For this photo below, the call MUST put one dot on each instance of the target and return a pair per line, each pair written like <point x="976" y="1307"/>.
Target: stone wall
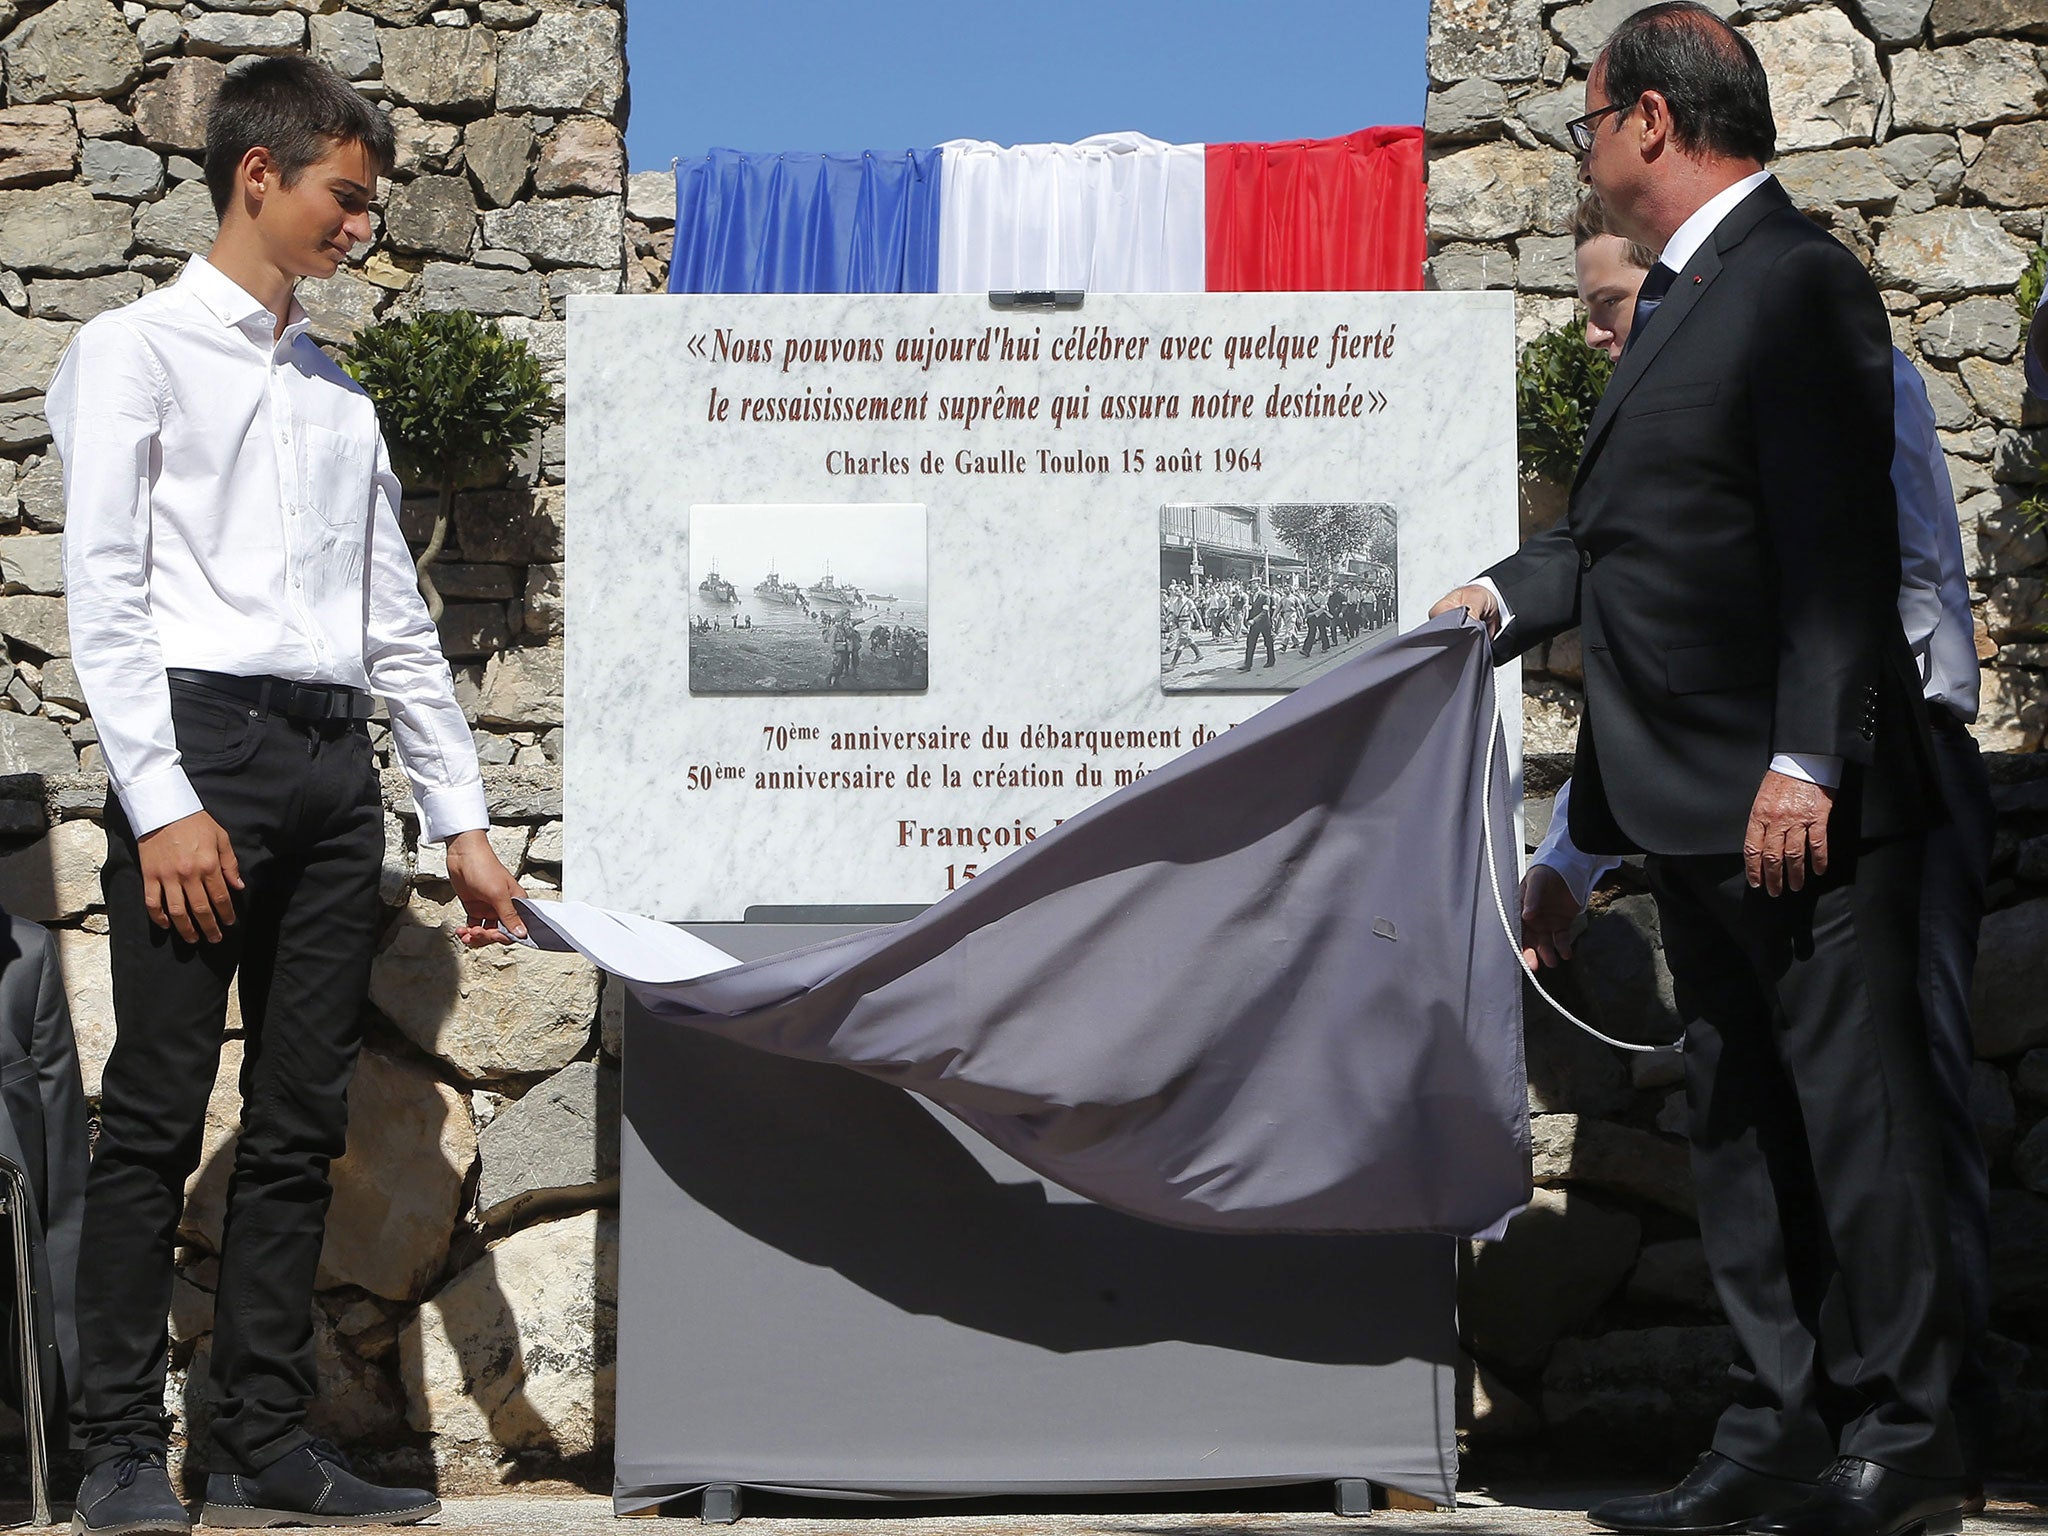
<point x="1917" y="131"/>
<point x="465" y="1295"/>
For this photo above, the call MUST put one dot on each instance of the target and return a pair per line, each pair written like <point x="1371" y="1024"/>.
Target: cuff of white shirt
<point x="158" y="800"/>
<point x="1813" y="767"/>
<point x="1507" y="614"/>
<point x="451" y="809"/>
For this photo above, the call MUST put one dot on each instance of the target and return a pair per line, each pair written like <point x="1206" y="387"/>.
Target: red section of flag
<point x="1315" y="214"/>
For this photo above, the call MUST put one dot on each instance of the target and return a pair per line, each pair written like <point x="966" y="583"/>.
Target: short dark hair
<point x="297" y="109"/>
<point x="1589" y="222"/>
<point x="1720" y="99"/>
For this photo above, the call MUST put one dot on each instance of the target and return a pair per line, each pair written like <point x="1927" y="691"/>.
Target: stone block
<point x="346" y="42"/>
<point x="72" y="48"/>
<point x="651" y="198"/>
<point x="444" y="285"/>
<point x="1998" y="389"/>
<point x="1470" y="109"/>
<point x="22" y="424"/>
<point x="85" y="961"/>
<point x="58" y="878"/>
<point x="1546" y="113"/>
<point x="80" y="298"/>
<point x="1576" y="1150"/>
<point x="556" y="1147"/>
<point x="340" y="306"/>
<point x="1825" y="179"/>
<point x="394" y="13"/>
<point x="354" y="1400"/>
<point x="1619" y="973"/>
<point x="2012" y="169"/>
<point x="41" y="491"/>
<point x="1950" y="252"/>
<point x="542" y="612"/>
<point x="1492" y="39"/>
<point x="520" y="525"/>
<point x="1893" y="22"/>
<point x="1647" y="1392"/>
<point x="1585" y="28"/>
<point x="1468" y="268"/>
<point x="1826" y="84"/>
<point x="497" y="151"/>
<point x="583" y="154"/>
<point x="523" y="689"/>
<point x="422" y="145"/>
<point x="431" y="216"/>
<point x="561" y="231"/>
<point x="158" y="34"/>
<point x="181" y="223"/>
<point x="1955" y="20"/>
<point x="488" y="1013"/>
<point x="1674" y="1274"/>
<point x="37" y="144"/>
<point x="1560" y="1260"/>
<point x="1495" y="191"/>
<point x="477" y="583"/>
<point x="444" y="68"/>
<point x="398" y="1191"/>
<point x="128" y="171"/>
<point x="29" y="350"/>
<point x="1929" y="159"/>
<point x="32" y="562"/>
<point x="1981" y="327"/>
<point x="2008" y="1004"/>
<point x="1988" y="81"/>
<point x="171" y="113"/>
<point x="225" y="34"/>
<point x="520" y="1350"/>
<point x="1544" y="264"/>
<point x="64" y="231"/>
<point x="39" y="623"/>
<point x="567" y="61"/>
<point x="470" y="630"/>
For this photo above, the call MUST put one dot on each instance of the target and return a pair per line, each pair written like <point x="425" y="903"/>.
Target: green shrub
<point x="2028" y="295"/>
<point x="456" y="398"/>
<point x="1558" y="384"/>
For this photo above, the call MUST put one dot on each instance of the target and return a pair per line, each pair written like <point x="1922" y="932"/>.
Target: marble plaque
<point x="1001" y="491"/>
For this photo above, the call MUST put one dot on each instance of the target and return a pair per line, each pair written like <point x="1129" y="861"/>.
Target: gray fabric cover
<point x="1263" y="989"/>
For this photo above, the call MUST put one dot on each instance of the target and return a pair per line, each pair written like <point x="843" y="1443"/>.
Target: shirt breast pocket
<point x="337" y="485"/>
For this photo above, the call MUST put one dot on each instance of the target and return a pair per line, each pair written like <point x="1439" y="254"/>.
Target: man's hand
<point x="1788" y="828"/>
<point x="188" y="869"/>
<point x="1548" y="911"/>
<point x="1475" y="600"/>
<point x="486" y="889"/>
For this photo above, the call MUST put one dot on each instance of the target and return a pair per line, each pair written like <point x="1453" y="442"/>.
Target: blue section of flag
<point x="807" y="223"/>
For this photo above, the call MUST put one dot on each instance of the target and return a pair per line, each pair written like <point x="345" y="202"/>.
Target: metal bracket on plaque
<point x="1036" y="298"/>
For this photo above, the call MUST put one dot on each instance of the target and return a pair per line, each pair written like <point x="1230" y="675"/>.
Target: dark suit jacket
<point x="1731" y="554"/>
<point x="42" y="1131"/>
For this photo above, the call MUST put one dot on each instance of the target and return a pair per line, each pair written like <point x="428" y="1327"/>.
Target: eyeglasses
<point x="1582" y="128"/>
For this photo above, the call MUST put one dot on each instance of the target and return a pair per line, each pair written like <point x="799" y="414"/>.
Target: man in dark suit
<point x="1754" y="724"/>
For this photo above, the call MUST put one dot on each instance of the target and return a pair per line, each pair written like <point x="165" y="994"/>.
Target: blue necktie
<point x="1655" y="286"/>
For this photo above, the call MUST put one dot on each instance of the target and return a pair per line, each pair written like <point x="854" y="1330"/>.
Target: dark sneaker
<point x="129" y="1494"/>
<point x="311" y="1486"/>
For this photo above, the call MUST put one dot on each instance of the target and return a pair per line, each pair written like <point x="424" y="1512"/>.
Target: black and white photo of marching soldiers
<point x="808" y="599"/>
<point x="1261" y="599"/>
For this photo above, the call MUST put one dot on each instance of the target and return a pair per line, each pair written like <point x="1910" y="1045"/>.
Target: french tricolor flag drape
<point x="1118" y="213"/>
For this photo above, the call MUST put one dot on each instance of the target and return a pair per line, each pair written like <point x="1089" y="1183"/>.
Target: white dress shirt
<point x="1934" y="599"/>
<point x="229" y="506"/>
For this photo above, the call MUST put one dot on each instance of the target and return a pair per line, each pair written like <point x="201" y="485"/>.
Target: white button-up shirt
<point x="229" y="506"/>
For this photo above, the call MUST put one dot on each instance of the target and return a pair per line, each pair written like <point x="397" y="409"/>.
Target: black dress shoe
<point x="310" y="1486"/>
<point x="1717" y="1496"/>
<point x="1860" y="1498"/>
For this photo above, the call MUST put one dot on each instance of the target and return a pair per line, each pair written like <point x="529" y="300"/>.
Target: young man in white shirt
<point x="238" y="589"/>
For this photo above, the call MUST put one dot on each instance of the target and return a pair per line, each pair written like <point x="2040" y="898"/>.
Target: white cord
<point x="1515" y="940"/>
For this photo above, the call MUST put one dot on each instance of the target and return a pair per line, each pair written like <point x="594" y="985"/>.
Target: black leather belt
<point x="306" y="703"/>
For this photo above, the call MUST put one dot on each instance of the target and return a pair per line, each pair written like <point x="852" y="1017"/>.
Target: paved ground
<point x="1546" y="1511"/>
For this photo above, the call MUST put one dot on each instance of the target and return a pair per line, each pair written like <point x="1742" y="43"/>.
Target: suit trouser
<point x="302" y="807"/>
<point x="1817" y="1158"/>
<point x="1951" y="910"/>
<point x="1260" y="628"/>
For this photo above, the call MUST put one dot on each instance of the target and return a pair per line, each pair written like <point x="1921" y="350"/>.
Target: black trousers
<point x="1817" y="1156"/>
<point x="301" y="806"/>
<point x="1260" y="628"/>
<point x="1951" y="909"/>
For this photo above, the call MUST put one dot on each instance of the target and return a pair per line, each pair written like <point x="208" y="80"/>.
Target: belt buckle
<point x="308" y="704"/>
